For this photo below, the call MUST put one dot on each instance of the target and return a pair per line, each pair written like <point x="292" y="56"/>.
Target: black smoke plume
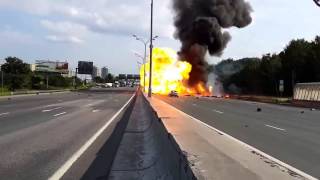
<point x="200" y="27"/>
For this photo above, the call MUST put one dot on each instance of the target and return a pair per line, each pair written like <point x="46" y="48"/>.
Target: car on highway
<point x="173" y="93"/>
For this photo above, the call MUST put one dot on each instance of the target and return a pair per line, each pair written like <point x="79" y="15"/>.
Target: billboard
<point x="52" y="66"/>
<point x="122" y="76"/>
<point x="85" y="67"/>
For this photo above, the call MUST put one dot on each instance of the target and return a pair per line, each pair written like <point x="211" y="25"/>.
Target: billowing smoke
<point x="200" y="28"/>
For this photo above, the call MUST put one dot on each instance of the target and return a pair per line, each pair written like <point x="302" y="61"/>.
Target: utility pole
<point x="151" y="47"/>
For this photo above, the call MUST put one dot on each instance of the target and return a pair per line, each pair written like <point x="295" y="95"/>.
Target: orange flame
<point x="170" y="74"/>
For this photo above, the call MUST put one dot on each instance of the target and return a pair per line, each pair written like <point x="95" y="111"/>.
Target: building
<point x="33" y="67"/>
<point x="94" y="72"/>
<point x="104" y="72"/>
<point x="71" y="73"/>
<point x="98" y="72"/>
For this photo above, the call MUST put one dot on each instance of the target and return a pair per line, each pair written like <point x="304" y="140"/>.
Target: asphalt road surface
<point x="289" y="134"/>
<point x="38" y="134"/>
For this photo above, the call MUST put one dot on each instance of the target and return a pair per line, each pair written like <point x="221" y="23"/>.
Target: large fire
<point x="169" y="73"/>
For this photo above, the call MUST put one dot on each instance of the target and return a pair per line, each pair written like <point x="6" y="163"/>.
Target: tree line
<point x="18" y="75"/>
<point x="298" y="62"/>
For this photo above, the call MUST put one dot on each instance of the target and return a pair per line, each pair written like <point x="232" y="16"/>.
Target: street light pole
<point x="145" y="43"/>
<point x="151" y="47"/>
<point x="1" y="80"/>
<point x="75" y="79"/>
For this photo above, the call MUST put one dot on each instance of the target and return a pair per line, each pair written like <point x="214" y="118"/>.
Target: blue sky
<point x="101" y="31"/>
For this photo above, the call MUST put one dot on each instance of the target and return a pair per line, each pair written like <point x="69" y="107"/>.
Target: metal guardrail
<point x="37" y="92"/>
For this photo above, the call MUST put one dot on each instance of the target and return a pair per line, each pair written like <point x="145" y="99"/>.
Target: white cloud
<point x="103" y="16"/>
<point x="65" y="27"/>
<point x="64" y="39"/>
<point x="65" y="32"/>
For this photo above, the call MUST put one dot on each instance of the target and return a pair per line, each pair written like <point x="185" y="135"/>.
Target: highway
<point x="39" y="133"/>
<point x="289" y="134"/>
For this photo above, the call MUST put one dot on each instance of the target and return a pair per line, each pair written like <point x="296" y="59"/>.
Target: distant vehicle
<point x="227" y="96"/>
<point x="173" y="94"/>
<point x="116" y="84"/>
<point x="108" y="85"/>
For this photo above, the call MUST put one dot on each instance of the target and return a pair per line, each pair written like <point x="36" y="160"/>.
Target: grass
<point x="4" y="92"/>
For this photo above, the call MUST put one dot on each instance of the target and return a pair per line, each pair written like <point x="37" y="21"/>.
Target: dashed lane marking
<point x="49" y="110"/>
<point x="274" y="127"/>
<point x="56" y="115"/>
<point x="3" y="114"/>
<point x="217" y="111"/>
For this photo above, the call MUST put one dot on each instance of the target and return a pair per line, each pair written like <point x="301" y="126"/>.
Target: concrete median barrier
<point x="147" y="151"/>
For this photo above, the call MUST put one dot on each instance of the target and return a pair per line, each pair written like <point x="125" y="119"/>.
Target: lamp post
<point x="75" y="79"/>
<point x="1" y="80"/>
<point x="151" y="47"/>
<point x="145" y="43"/>
<point x="139" y="64"/>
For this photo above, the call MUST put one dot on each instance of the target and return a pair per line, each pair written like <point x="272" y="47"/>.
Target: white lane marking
<point x="50" y="105"/>
<point x="56" y="115"/>
<point x="301" y="173"/>
<point x="88" y="105"/>
<point x="49" y="110"/>
<point x="6" y="113"/>
<point x="194" y="104"/>
<point x="220" y="112"/>
<point x="274" y="127"/>
<point x="66" y="166"/>
<point x="96" y="110"/>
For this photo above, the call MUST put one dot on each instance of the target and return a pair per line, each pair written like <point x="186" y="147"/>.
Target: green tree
<point x="36" y="82"/>
<point x="110" y="78"/>
<point x="296" y="63"/>
<point x="270" y="69"/>
<point x="315" y="59"/>
<point x="98" y="80"/>
<point x="17" y="72"/>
